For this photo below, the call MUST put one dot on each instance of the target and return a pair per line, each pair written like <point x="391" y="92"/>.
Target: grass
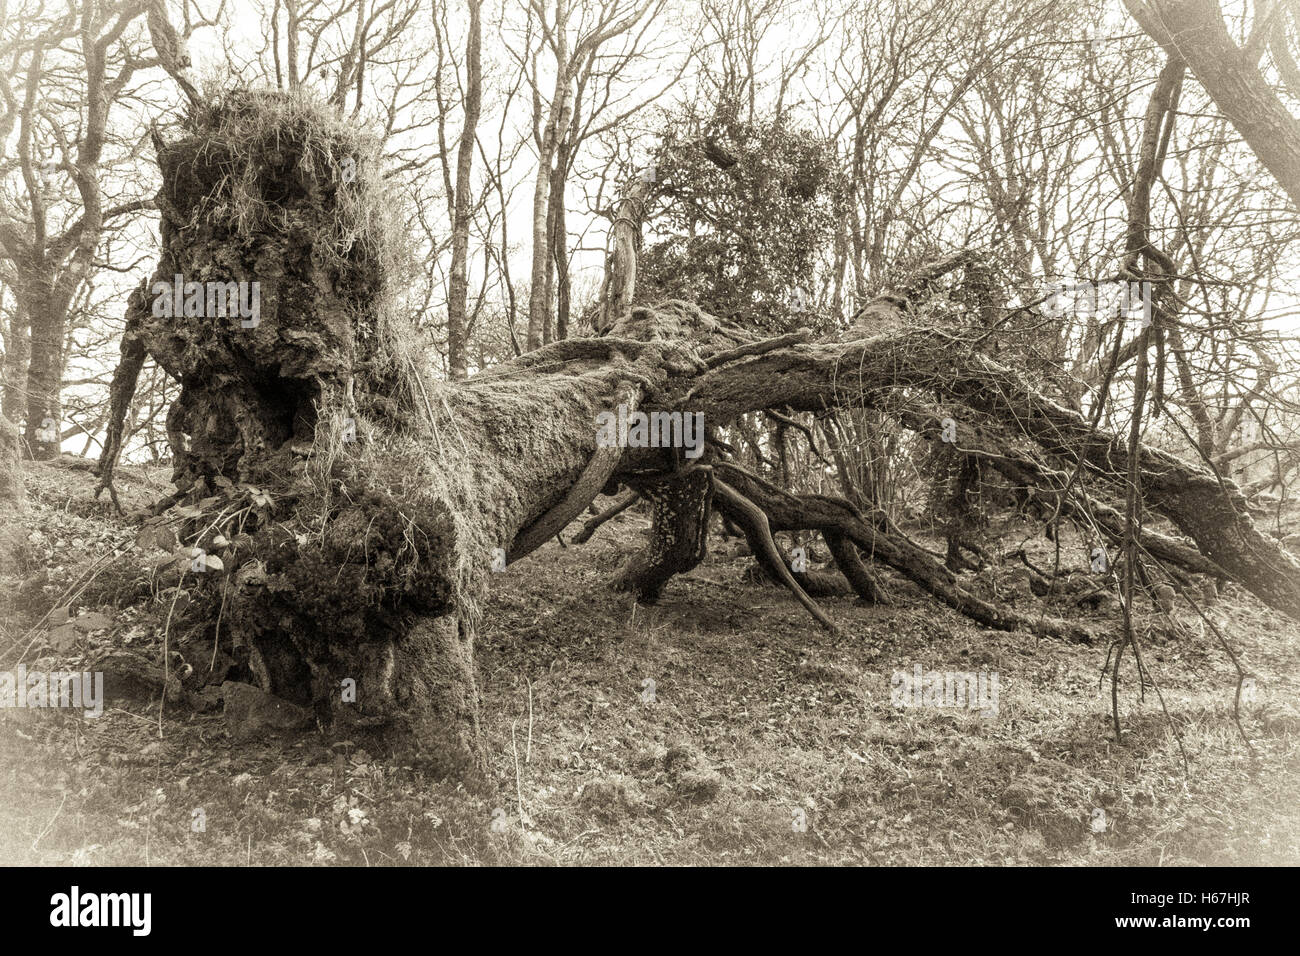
<point x="759" y="721"/>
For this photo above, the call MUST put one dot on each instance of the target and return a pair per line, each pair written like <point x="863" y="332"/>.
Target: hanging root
<point x="120" y="393"/>
<point x="583" y="493"/>
<point x="859" y="576"/>
<point x="788" y="512"/>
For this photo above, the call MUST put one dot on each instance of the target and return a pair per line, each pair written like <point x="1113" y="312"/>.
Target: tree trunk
<point x="459" y="283"/>
<point x="11" y="482"/>
<point x="558" y="239"/>
<point x="1211" y="512"/>
<point x="12" y="533"/>
<point x="678" y="534"/>
<point x="1193" y="30"/>
<point x="555" y="129"/>
<point x="44" y="372"/>
<point x="620" y="271"/>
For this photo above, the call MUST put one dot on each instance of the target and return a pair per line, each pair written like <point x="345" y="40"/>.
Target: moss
<point x="374" y="562"/>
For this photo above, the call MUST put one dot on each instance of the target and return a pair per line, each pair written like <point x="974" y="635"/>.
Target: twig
<point x="528" y="752"/>
<point x="519" y="792"/>
<point x="40" y="835"/>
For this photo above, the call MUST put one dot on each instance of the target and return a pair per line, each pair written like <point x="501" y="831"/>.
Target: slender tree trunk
<point x="291" y="43"/>
<point x="557" y="125"/>
<point x="459" y="285"/>
<point x="559" y="239"/>
<point x="620" y="271"/>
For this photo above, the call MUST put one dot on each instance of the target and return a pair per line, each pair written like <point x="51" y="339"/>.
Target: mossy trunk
<point x="355" y="504"/>
<point x="11" y="481"/>
<point x="11" y="497"/>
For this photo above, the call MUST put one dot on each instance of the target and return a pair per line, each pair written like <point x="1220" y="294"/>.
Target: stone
<point x="127" y="675"/>
<point x="251" y="713"/>
<point x="1022" y="582"/>
<point x="1165" y="597"/>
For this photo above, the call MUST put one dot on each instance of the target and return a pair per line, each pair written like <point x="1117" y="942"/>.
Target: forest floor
<point x="721" y="726"/>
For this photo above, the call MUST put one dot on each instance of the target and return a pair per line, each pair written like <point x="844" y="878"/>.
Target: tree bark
<point x="681" y="505"/>
<point x="44" y="371"/>
<point x="1209" y="510"/>
<point x="554" y="129"/>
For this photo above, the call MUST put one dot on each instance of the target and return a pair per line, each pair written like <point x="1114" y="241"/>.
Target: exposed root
<point x="758" y="533"/>
<point x="788" y="512"/>
<point x="678" y="535"/>
<point x="582" y="493"/>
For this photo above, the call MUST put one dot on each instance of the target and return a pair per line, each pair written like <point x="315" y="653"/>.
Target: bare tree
<point x="70" y="75"/>
<point x="459" y="285"/>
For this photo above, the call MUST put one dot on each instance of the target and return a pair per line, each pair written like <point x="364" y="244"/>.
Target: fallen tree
<point x="356" y="505"/>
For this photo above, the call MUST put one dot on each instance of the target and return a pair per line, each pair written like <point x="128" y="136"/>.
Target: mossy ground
<point x="756" y="714"/>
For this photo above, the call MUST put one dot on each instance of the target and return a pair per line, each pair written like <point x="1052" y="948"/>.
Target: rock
<point x="127" y="675"/>
<point x="92" y="621"/>
<point x="62" y="638"/>
<point x="252" y="713"/>
<point x="1165" y="594"/>
<point x="1292" y="543"/>
<point x="1021" y="582"/>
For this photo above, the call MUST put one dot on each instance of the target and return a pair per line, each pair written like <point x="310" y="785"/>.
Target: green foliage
<point x="744" y="211"/>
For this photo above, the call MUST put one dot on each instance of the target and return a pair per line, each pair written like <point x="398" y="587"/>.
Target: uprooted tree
<point x="357" y="503"/>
